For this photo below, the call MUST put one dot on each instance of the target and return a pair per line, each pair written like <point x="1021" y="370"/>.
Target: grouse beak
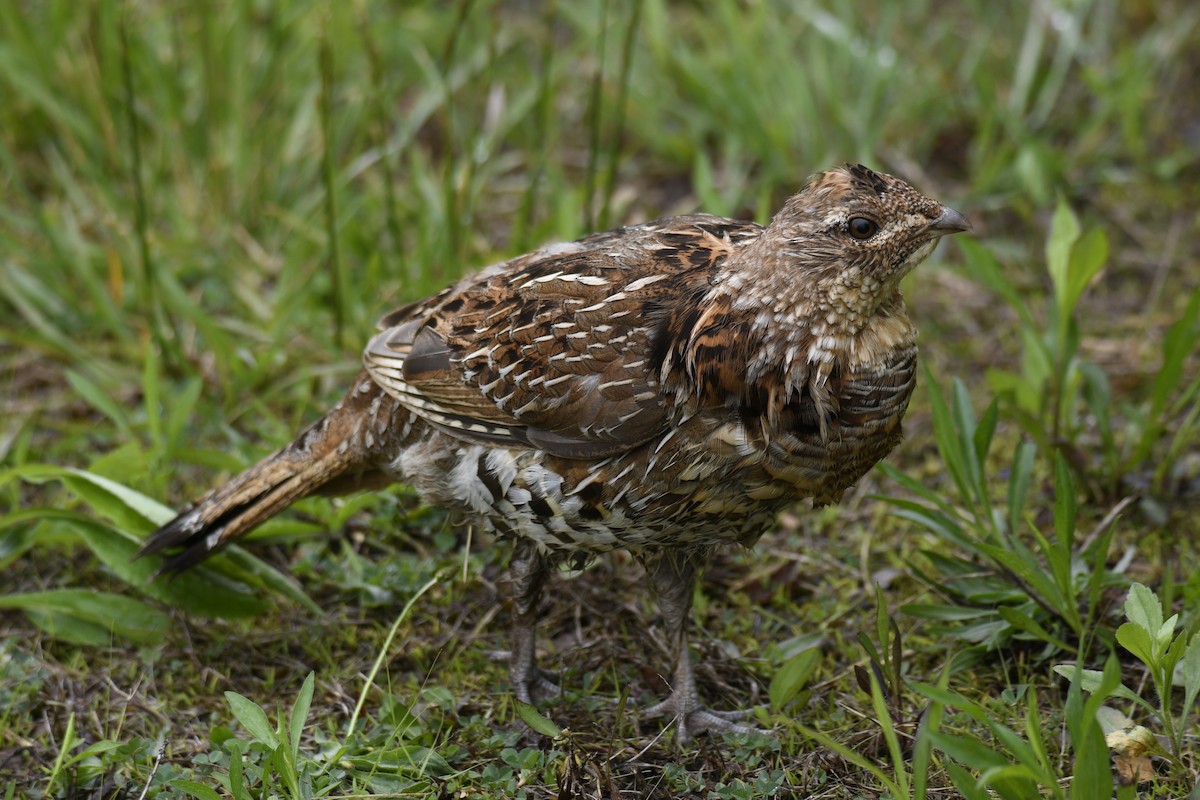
<point x="950" y="221"/>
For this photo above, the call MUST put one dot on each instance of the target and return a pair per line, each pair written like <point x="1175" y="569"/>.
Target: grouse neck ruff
<point x="664" y="388"/>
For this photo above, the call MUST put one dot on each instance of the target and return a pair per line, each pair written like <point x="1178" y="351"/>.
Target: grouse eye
<point x="862" y="228"/>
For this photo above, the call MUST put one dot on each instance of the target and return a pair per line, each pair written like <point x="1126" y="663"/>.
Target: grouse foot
<point x="532" y="685"/>
<point x="673" y="576"/>
<point x="692" y="717"/>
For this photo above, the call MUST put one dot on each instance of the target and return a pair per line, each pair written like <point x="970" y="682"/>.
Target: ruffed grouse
<point x="664" y="388"/>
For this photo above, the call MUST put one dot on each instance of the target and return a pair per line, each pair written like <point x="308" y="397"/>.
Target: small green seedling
<point x="1172" y="658"/>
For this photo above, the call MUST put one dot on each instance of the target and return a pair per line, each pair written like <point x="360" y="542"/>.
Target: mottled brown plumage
<point x="664" y="388"/>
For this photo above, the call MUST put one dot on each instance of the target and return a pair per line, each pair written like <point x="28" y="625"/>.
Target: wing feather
<point x="555" y="349"/>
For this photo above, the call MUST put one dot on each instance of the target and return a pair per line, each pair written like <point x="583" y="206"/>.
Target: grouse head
<point x="839" y="248"/>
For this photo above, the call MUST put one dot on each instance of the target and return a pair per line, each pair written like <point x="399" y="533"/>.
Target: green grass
<point x="206" y="206"/>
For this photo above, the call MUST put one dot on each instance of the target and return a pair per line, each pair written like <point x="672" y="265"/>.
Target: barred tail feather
<point x="235" y="508"/>
<point x="331" y="457"/>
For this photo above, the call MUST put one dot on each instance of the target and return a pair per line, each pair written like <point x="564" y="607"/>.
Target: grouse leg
<point x="527" y="575"/>
<point x="673" y="575"/>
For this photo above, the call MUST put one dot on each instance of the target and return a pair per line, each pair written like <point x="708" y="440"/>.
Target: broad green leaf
<point x="969" y="751"/>
<point x="1170" y="654"/>
<point x="798" y="644"/>
<point x="1093" y="773"/>
<point x="792" y="677"/>
<point x="1090" y="680"/>
<point x="1135" y="639"/>
<point x="85" y="614"/>
<point x="1064" y="232"/>
<point x="68" y="628"/>
<point x="883" y="623"/>
<point x="128" y="509"/>
<point x="865" y="642"/>
<point x="196" y="789"/>
<point x="1162" y="638"/>
<point x="199" y="591"/>
<point x="1142" y="608"/>
<point x="531" y="717"/>
<point x="237" y="775"/>
<point x="96" y="748"/>
<point x="253" y="719"/>
<point x="300" y="714"/>
<point x="1087" y="257"/>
